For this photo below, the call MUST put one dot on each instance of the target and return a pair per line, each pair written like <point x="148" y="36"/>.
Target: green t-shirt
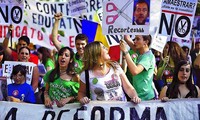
<point x="61" y="88"/>
<point x="143" y="81"/>
<point x="49" y="63"/>
<point x="134" y="56"/>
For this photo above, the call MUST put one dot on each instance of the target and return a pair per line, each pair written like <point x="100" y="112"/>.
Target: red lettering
<point x="40" y="36"/>
<point x="71" y="42"/>
<point x="17" y="31"/>
<point x="24" y="31"/>
<point x="32" y="31"/>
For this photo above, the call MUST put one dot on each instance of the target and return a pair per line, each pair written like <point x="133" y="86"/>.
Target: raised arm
<point x="129" y="41"/>
<point x="55" y="41"/>
<point x="7" y="50"/>
<point x="134" y="69"/>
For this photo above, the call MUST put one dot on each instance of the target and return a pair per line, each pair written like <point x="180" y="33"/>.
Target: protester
<point x="172" y="54"/>
<point x="181" y="86"/>
<point x="20" y="91"/>
<point x="62" y="83"/>
<point x="141" y="13"/>
<point x="45" y="58"/>
<point x="80" y="41"/>
<point x="187" y="52"/>
<point x="24" y="56"/>
<point x="142" y="69"/>
<point x="23" y="41"/>
<point x="106" y="79"/>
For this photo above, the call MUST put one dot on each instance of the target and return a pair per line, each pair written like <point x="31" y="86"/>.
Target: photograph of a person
<point x="141" y="12"/>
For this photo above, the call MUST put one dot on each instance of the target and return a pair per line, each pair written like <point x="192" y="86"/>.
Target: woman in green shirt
<point x="62" y="83"/>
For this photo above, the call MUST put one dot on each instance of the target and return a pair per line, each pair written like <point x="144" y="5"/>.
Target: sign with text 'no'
<point x="177" y="18"/>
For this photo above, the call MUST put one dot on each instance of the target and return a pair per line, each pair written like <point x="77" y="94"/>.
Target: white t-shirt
<point x="107" y="87"/>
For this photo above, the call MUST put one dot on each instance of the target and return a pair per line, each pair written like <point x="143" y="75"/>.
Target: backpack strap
<point x="87" y="83"/>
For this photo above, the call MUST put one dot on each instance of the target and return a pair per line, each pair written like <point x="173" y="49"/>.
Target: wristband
<point x="125" y="52"/>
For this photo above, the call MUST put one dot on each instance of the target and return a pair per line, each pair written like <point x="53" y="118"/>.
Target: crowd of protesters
<point x="89" y="74"/>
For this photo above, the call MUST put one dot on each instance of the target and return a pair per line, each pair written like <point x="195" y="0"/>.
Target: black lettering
<point x="46" y="8"/>
<point x="16" y="14"/>
<point x="182" y="31"/>
<point x="37" y="5"/>
<point x="160" y="113"/>
<point x="60" y="114"/>
<point x="101" y="110"/>
<point x="145" y="114"/>
<point x="52" y="113"/>
<point x="168" y="27"/>
<point x="13" y="113"/>
<point x="77" y="25"/>
<point x="83" y="108"/>
<point x="5" y="16"/>
<point x="27" y="6"/>
<point x="120" y="110"/>
<point x="114" y="37"/>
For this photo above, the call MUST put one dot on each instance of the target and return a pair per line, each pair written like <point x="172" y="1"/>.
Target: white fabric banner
<point x="180" y="109"/>
<point x="37" y="22"/>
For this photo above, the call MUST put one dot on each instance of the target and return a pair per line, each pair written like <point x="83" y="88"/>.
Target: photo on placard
<point x="141" y="12"/>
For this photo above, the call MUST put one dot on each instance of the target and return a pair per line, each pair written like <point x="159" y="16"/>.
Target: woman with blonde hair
<point x="103" y="79"/>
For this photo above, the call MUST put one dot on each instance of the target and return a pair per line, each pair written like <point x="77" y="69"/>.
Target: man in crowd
<point x="23" y="41"/>
<point x="141" y="13"/>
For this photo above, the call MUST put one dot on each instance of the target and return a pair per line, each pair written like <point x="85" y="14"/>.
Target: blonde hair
<point x="92" y="56"/>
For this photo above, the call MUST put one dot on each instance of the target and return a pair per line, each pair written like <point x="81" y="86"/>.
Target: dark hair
<point x="23" y="48"/>
<point x="142" y="1"/>
<point x="45" y="54"/>
<point x="173" y="87"/>
<point x="81" y="37"/>
<point x="55" y="73"/>
<point x="25" y="39"/>
<point x="147" y="38"/>
<point x="17" y="69"/>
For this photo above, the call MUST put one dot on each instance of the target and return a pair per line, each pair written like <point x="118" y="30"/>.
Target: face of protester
<point x="104" y="53"/>
<point x="139" y="42"/>
<point x="40" y="55"/>
<point x="165" y="50"/>
<point x="19" y="78"/>
<point x="80" y="45"/>
<point x="141" y="13"/>
<point x="24" y="55"/>
<point x="197" y="46"/>
<point x="64" y="59"/>
<point x="184" y="73"/>
<point x="20" y="44"/>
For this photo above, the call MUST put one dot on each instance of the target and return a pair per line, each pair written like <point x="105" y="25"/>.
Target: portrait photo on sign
<point x="141" y="12"/>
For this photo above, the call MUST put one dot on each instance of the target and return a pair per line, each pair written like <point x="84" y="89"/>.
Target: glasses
<point x="23" y="53"/>
<point x="143" y="10"/>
